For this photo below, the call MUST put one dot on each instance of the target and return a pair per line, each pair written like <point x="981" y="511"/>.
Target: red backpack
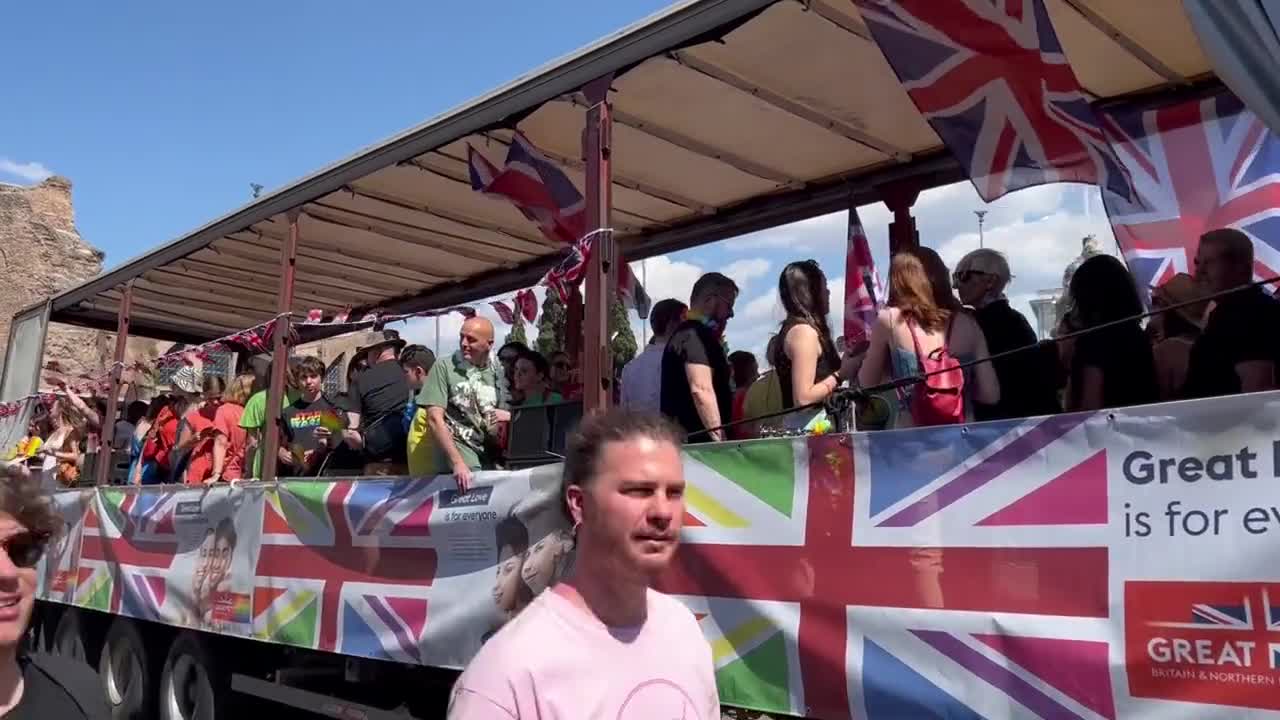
<point x="939" y="398"/>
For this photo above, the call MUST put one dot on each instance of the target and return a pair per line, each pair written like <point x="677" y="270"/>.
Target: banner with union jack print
<point x="1196" y="165"/>
<point x="1090" y="566"/>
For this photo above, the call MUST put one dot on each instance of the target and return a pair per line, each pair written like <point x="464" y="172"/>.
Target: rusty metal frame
<point x="280" y="350"/>
<point x="107" y="432"/>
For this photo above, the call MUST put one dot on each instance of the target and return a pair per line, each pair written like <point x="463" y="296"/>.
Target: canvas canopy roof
<point x="729" y="116"/>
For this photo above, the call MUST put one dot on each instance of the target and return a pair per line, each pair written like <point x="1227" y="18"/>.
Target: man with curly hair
<point x="33" y="685"/>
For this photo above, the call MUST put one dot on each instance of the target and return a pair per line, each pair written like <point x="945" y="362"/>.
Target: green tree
<point x="551" y="324"/>
<point x="622" y="341"/>
<point x="517" y="333"/>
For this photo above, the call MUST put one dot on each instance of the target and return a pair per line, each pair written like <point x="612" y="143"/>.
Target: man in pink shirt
<point x="602" y="643"/>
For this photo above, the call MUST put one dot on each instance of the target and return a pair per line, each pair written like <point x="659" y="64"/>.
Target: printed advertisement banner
<point x="1097" y="565"/>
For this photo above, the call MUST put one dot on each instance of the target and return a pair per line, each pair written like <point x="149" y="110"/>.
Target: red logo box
<point x="1215" y="643"/>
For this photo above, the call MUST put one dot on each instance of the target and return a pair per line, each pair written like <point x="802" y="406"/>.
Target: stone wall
<point x="41" y="254"/>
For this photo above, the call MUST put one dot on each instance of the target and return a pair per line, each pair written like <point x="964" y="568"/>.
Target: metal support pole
<point x="107" y="433"/>
<point x="597" y="384"/>
<point x="280" y="350"/>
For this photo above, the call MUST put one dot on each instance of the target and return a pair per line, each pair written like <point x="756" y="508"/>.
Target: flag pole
<point x="644" y="280"/>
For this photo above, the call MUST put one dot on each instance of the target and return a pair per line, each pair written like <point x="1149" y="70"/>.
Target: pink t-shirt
<point x="555" y="660"/>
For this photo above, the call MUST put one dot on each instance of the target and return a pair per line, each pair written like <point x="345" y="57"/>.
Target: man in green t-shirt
<point x="465" y="398"/>
<point x="254" y="419"/>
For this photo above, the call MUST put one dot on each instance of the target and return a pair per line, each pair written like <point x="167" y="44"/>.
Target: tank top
<point x="828" y="361"/>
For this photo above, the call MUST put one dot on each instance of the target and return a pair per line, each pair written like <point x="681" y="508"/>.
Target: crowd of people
<point x="1219" y="335"/>
<point x="406" y="411"/>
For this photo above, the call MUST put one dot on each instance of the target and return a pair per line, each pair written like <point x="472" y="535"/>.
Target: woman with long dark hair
<point x="808" y="364"/>
<point x="915" y="325"/>
<point x="1112" y="366"/>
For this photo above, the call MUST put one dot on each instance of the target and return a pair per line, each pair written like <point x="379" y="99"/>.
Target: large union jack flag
<point x="347" y="567"/>
<point x="838" y="560"/>
<point x="545" y="195"/>
<point x="995" y="85"/>
<point x="1196" y="166"/>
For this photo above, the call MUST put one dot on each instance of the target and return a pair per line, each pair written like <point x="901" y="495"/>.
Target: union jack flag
<point x="127" y="551"/>
<point x="994" y="83"/>
<point x="347" y="567"/>
<point x="527" y="304"/>
<point x="504" y="312"/>
<point x="545" y="195"/>
<point x="836" y="558"/>
<point x="569" y="271"/>
<point x="862" y="294"/>
<point x="1197" y="165"/>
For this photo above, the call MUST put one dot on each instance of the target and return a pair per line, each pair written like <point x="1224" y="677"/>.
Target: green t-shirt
<point x="254" y="418"/>
<point x="466" y="393"/>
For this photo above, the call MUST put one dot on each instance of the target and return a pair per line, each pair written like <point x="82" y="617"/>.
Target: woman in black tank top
<point x="805" y="338"/>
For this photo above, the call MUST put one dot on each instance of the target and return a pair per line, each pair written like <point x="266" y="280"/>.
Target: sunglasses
<point x="964" y="275"/>
<point x="24" y="549"/>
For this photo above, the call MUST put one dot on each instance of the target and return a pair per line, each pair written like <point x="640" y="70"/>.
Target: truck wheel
<point x="192" y="685"/>
<point x="128" y="677"/>
<point x="69" y="638"/>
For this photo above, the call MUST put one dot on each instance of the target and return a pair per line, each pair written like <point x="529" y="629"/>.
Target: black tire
<point x="192" y="685"/>
<point x="127" y="671"/>
<point x="71" y="639"/>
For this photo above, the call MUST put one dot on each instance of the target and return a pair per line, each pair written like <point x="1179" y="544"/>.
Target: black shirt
<point x="380" y="394"/>
<point x="1244" y="326"/>
<point x="828" y="362"/>
<point x="54" y="687"/>
<point x="1123" y="354"/>
<point x="1027" y="378"/>
<point x="299" y="422"/>
<point x="693" y="344"/>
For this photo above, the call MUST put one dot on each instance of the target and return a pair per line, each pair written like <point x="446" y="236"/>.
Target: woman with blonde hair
<point x="230" y="440"/>
<point x="912" y="328"/>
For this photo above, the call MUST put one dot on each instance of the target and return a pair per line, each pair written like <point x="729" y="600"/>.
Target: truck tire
<point x="70" y="639"/>
<point x="192" y="684"/>
<point x="127" y="672"/>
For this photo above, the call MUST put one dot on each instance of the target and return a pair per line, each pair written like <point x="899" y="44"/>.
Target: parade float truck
<point x="1096" y="565"/>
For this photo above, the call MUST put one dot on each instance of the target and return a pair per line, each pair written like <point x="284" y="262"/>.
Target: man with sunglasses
<point x="34" y="686"/>
<point x="697" y="391"/>
<point x="1028" y="384"/>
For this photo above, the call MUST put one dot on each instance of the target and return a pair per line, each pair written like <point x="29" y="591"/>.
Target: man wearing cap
<point x="375" y="406"/>
<point x="465" y="399"/>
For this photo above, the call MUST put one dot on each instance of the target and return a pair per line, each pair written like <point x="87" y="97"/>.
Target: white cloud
<point x="666" y="278"/>
<point x="29" y="171"/>
<point x="744" y="271"/>
<point x="1039" y="229"/>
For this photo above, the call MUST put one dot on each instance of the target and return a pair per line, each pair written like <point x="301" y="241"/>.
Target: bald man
<point x="464" y="399"/>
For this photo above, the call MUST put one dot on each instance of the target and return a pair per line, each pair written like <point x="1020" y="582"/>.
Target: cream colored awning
<point x="731" y="116"/>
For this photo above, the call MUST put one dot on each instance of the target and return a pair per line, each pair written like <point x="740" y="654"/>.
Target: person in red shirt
<point x="230" y="439"/>
<point x="162" y="447"/>
<point x="200" y="431"/>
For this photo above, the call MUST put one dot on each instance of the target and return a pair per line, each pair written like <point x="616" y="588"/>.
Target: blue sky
<point x="162" y="115"/>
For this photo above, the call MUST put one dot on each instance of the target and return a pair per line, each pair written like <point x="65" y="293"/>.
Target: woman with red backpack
<point x="913" y="336"/>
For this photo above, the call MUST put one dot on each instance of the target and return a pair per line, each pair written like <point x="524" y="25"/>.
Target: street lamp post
<point x="982" y="214"/>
